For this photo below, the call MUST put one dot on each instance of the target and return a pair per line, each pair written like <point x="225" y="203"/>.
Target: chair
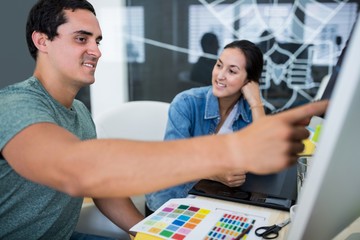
<point x="136" y="120"/>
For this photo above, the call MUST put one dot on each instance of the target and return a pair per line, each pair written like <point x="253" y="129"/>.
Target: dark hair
<point x="47" y="15"/>
<point x="253" y="56"/>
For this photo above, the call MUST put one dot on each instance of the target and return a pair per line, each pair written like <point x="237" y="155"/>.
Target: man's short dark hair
<point x="47" y="15"/>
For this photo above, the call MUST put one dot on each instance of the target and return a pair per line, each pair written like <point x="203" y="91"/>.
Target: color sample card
<point x="175" y="221"/>
<point x="199" y="219"/>
<point x="229" y="227"/>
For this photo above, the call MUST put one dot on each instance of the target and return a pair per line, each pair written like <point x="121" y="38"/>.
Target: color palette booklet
<point x="191" y="218"/>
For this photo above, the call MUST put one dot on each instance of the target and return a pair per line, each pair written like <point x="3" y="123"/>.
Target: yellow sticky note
<point x="309" y="148"/>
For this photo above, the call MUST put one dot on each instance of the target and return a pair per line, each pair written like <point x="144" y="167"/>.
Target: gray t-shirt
<point x="29" y="210"/>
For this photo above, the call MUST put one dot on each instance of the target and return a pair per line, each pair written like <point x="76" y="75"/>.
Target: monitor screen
<point x="330" y="198"/>
<point x="334" y="76"/>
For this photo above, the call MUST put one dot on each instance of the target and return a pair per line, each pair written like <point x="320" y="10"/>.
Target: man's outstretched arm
<point x="50" y="155"/>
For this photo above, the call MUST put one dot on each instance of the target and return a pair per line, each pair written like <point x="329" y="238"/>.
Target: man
<point x="49" y="156"/>
<point x="63" y="38"/>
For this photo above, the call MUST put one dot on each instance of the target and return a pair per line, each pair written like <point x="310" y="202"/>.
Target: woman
<point x="231" y="103"/>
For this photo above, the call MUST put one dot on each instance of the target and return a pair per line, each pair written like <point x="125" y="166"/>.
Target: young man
<point x="49" y="156"/>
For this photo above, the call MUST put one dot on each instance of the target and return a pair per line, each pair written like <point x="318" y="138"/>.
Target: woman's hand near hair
<point x="251" y="92"/>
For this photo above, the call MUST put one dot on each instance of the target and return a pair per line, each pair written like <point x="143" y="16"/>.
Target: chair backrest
<point x="135" y="120"/>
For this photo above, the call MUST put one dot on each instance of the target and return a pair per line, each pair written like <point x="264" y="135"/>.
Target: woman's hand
<point x="231" y="179"/>
<point x="251" y="92"/>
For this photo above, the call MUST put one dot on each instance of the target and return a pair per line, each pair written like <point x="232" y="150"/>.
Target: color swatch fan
<point x="199" y="219"/>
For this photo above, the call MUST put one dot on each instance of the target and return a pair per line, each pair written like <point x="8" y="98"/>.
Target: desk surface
<point x="276" y="216"/>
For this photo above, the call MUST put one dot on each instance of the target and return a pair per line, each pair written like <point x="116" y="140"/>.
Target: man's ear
<point x="39" y="40"/>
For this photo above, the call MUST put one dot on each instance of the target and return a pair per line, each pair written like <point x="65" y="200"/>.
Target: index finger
<point x="304" y="112"/>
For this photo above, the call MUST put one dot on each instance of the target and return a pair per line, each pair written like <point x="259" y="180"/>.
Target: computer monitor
<point x="330" y="198"/>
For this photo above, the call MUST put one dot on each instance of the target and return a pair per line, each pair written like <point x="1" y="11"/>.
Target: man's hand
<point x="273" y="142"/>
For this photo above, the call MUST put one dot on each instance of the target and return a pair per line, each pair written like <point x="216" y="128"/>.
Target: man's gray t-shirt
<point x="29" y="210"/>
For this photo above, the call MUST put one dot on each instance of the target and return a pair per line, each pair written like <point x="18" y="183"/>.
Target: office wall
<point x="111" y="86"/>
<point x="16" y="62"/>
<point x="301" y="41"/>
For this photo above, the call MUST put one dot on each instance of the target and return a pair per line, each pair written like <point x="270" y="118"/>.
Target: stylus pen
<point x="244" y="233"/>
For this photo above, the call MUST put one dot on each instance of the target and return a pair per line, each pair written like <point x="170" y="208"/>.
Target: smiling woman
<point x="232" y="103"/>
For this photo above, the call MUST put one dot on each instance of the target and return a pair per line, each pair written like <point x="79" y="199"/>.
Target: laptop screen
<point x="331" y="82"/>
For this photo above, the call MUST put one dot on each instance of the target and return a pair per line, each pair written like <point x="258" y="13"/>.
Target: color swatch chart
<point x="229" y="227"/>
<point x="187" y="218"/>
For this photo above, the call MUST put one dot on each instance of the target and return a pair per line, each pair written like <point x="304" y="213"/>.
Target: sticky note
<point x="309" y="148"/>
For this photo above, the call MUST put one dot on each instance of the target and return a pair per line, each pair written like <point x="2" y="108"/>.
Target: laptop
<point x="278" y="191"/>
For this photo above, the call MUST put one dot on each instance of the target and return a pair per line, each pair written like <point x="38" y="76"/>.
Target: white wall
<point x="110" y="87"/>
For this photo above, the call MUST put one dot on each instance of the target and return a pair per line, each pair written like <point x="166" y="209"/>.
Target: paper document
<point x="187" y="218"/>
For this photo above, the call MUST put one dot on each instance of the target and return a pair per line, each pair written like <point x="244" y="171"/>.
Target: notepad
<point x="187" y="218"/>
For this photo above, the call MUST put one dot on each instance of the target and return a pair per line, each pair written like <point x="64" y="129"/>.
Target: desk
<point x="276" y="216"/>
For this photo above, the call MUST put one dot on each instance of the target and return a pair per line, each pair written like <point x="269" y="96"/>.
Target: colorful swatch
<point x="175" y="221"/>
<point x="189" y="219"/>
<point x="229" y="227"/>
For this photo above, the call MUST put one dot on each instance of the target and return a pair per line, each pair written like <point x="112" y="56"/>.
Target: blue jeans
<point x="156" y="199"/>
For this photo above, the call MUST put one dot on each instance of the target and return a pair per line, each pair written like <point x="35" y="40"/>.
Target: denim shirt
<point x="194" y="112"/>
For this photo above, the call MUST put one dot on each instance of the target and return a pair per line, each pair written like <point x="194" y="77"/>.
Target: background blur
<point x="151" y="47"/>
